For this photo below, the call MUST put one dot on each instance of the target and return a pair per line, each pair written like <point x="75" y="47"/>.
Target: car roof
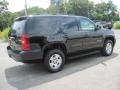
<point x="33" y="16"/>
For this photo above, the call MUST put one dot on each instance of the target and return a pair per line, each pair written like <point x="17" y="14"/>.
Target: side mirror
<point x="97" y="27"/>
<point x="109" y="26"/>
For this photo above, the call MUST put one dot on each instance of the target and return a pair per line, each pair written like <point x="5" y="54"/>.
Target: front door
<point x="93" y="37"/>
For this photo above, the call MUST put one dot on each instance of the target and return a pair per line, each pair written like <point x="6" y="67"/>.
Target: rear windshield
<point x="41" y="25"/>
<point x="18" y="27"/>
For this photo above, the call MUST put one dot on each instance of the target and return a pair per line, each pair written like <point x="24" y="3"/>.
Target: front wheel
<point x="107" y="49"/>
<point x="54" y="60"/>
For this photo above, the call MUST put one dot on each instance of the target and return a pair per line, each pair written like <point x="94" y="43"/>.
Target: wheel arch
<point x="55" y="45"/>
<point x="110" y="38"/>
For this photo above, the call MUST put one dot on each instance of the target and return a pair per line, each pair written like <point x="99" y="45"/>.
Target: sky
<point x="17" y="5"/>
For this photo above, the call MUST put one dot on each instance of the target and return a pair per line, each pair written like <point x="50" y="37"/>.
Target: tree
<point x="101" y="11"/>
<point x="19" y="13"/>
<point x="63" y="6"/>
<point x="31" y="11"/>
<point x="3" y="6"/>
<point x="36" y="10"/>
<point x="6" y="17"/>
<point x="105" y="11"/>
<point x="78" y="7"/>
<point x="52" y="9"/>
<point x="111" y="11"/>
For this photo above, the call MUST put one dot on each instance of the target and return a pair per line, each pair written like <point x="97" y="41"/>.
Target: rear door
<point x="94" y="37"/>
<point x="17" y="29"/>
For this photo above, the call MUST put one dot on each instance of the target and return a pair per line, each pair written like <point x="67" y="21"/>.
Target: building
<point x="54" y="2"/>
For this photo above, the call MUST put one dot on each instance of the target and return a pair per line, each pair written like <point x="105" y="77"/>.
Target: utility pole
<point x="88" y="9"/>
<point x="26" y="12"/>
<point x="58" y="6"/>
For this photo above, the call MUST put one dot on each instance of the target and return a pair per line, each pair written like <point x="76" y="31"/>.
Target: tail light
<point x="25" y="43"/>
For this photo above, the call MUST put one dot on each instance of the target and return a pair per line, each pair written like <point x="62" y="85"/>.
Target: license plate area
<point x="12" y="42"/>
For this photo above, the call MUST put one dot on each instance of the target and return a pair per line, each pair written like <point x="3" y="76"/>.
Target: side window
<point x="42" y="25"/>
<point x="87" y="25"/>
<point x="69" y="24"/>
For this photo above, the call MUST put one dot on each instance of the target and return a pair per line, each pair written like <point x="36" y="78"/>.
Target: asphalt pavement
<point x="93" y="72"/>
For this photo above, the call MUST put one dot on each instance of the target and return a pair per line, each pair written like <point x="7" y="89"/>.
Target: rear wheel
<point x="107" y="49"/>
<point x="54" y="60"/>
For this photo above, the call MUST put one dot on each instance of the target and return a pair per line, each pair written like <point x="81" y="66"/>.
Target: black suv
<point x="53" y="38"/>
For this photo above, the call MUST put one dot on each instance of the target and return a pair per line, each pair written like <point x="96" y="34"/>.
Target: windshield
<point x="18" y="27"/>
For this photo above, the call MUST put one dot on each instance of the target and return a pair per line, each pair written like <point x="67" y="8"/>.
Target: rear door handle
<point x="65" y="36"/>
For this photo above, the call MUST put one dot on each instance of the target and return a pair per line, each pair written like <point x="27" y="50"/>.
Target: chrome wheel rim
<point x="108" y="48"/>
<point x="55" y="61"/>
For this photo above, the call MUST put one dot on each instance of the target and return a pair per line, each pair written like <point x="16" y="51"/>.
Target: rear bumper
<point x="22" y="56"/>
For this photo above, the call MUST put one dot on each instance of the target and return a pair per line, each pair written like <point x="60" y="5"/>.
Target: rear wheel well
<point x="59" y="46"/>
<point x="110" y="38"/>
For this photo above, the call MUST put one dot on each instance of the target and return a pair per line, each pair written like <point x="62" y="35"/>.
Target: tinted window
<point x="86" y="24"/>
<point x="69" y="24"/>
<point x="18" y="27"/>
<point x="41" y="25"/>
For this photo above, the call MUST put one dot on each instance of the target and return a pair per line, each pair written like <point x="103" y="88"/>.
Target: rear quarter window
<point x="41" y="25"/>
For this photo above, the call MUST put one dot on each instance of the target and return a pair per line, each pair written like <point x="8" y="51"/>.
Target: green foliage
<point x="0" y="34"/>
<point x="117" y="25"/>
<point x="31" y="11"/>
<point x="6" y="19"/>
<point x="63" y="7"/>
<point x="52" y="9"/>
<point x="101" y="11"/>
<point x="19" y="13"/>
<point x="106" y="11"/>
<point x="3" y="6"/>
<point x="4" y="34"/>
<point x="78" y="7"/>
<point x="35" y="10"/>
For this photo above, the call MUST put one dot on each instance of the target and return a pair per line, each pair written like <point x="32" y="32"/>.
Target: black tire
<point x="104" y="51"/>
<point x="49" y="55"/>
